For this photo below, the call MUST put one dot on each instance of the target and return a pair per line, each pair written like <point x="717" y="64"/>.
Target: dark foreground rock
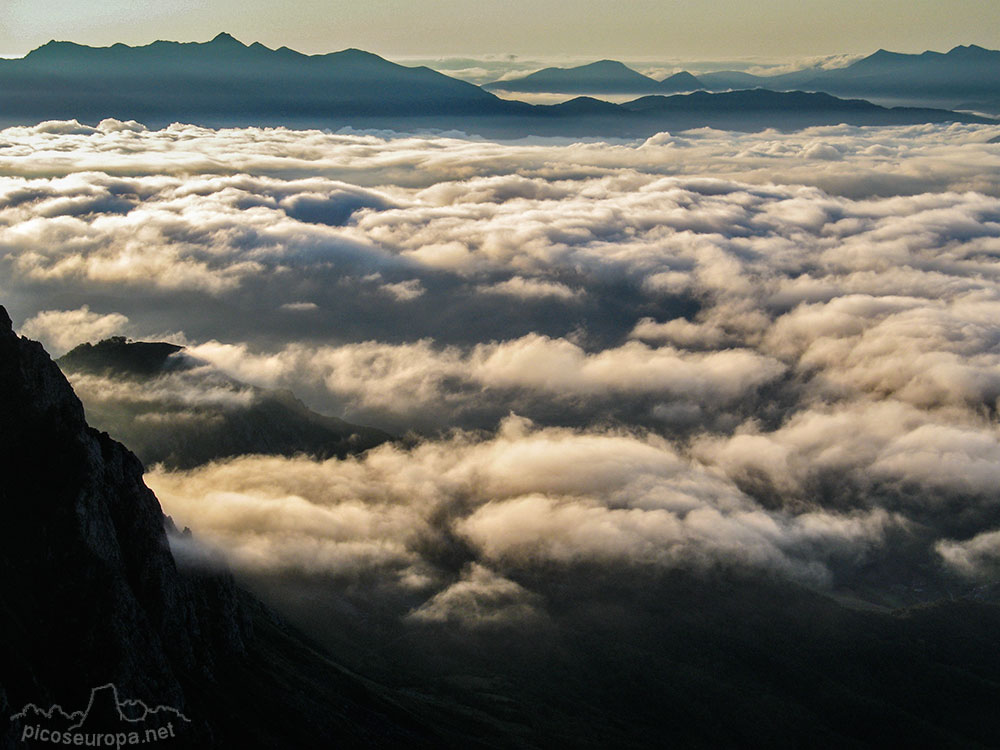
<point x="92" y="596"/>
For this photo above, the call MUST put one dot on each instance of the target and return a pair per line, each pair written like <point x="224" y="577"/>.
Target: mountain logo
<point x="107" y="721"/>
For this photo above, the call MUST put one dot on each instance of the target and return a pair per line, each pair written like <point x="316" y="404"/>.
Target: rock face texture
<point x="91" y="595"/>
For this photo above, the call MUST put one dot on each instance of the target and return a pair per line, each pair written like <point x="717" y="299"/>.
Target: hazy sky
<point x="639" y="28"/>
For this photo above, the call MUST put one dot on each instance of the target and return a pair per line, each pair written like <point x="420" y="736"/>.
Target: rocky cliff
<point x="92" y="595"/>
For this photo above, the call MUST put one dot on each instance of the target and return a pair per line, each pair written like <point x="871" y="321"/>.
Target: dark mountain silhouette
<point x="725" y="80"/>
<point x="963" y="76"/>
<point x="760" y="108"/>
<point x="118" y="355"/>
<point x="602" y="77"/>
<point x="791" y="103"/>
<point x="93" y="595"/>
<point x="226" y="83"/>
<point x="172" y="430"/>
<point x="963" y="73"/>
<point x="679" y="82"/>
<point x="224" y="79"/>
<point x="748" y="110"/>
<point x="587" y="106"/>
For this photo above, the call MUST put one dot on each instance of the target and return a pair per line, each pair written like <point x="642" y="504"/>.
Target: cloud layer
<point x="523" y="497"/>
<point x="773" y="351"/>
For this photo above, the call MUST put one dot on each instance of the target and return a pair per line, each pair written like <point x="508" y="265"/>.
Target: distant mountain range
<point x="603" y="77"/>
<point x="227" y="83"/>
<point x="967" y="76"/>
<point x="963" y="75"/>
<point x="749" y="110"/>
<point x="224" y="78"/>
<point x="176" y="410"/>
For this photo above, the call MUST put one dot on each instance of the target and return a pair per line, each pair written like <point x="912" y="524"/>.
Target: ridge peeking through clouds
<point x="963" y="78"/>
<point x="227" y="83"/>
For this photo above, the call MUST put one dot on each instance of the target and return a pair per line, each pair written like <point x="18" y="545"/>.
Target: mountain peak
<point x="883" y="54"/>
<point x="880" y="58"/>
<point x="353" y="53"/>
<point x="226" y="39"/>
<point x="682" y="81"/>
<point x="54" y="48"/>
<point x="602" y="76"/>
<point x="971" y="51"/>
<point x="607" y="64"/>
<point x="119" y="355"/>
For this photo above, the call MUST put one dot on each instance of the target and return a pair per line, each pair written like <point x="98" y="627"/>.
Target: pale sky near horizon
<point x="638" y="28"/>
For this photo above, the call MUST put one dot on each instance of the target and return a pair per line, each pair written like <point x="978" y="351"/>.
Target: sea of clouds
<point x="774" y="351"/>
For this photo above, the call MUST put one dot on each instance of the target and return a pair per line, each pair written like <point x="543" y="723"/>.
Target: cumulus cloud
<point x="518" y="286"/>
<point x="404" y="291"/>
<point x="869" y="442"/>
<point x="978" y="557"/>
<point x="415" y="379"/>
<point x="300" y="306"/>
<point x="893" y="159"/>
<point x="538" y="527"/>
<point x="195" y="387"/>
<point x="480" y="598"/>
<point x="61" y="330"/>
<point x="518" y="501"/>
<point x="683" y="333"/>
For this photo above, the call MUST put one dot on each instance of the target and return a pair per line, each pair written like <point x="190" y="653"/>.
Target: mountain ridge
<point x="601" y="77"/>
<point x="961" y="72"/>
<point x="965" y="72"/>
<point x="225" y="83"/>
<point x="170" y="79"/>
